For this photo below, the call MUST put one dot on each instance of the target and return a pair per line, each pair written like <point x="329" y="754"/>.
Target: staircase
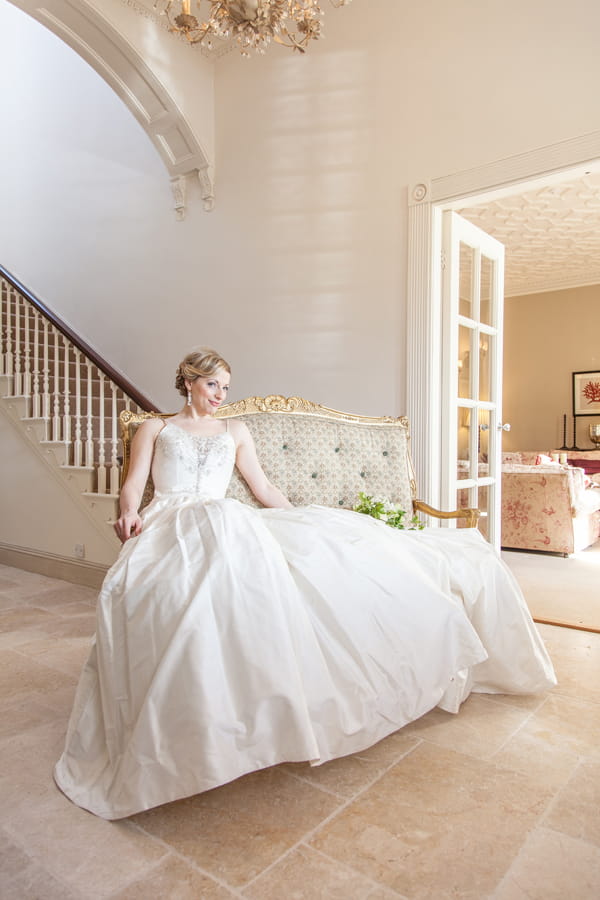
<point x="64" y="399"/>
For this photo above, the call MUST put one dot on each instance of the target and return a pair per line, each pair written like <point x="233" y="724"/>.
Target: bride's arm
<point x="249" y="466"/>
<point x="129" y="523"/>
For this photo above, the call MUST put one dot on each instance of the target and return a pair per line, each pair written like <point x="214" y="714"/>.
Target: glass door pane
<point x="472" y="308"/>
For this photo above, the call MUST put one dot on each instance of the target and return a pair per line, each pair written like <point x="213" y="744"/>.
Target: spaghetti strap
<point x="160" y="430"/>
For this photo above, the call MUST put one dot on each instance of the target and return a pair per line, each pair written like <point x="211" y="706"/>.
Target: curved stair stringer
<point x="100" y="510"/>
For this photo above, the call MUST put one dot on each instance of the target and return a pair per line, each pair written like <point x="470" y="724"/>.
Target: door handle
<point x="505" y="427"/>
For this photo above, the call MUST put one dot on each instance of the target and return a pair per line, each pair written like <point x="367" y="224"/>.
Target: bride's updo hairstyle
<point x="200" y="363"/>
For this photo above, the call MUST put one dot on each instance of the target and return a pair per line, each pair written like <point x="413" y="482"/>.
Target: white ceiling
<point x="551" y="234"/>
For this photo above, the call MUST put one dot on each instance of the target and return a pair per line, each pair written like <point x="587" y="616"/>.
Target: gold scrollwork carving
<point x="276" y="403"/>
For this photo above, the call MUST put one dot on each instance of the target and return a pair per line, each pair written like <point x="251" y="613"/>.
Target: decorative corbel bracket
<point x="207" y="189"/>
<point x="179" y="189"/>
<point x="179" y="186"/>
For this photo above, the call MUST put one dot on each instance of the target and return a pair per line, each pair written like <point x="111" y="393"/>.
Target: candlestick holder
<point x="574" y="447"/>
<point x="564" y="443"/>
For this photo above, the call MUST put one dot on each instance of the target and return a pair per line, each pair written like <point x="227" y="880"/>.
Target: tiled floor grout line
<point x="182" y="857"/>
<point x="554" y="799"/>
<point x="506" y="874"/>
<point x="14" y="838"/>
<point x="375" y="884"/>
<point x="521" y="725"/>
<point x="570" y="698"/>
<point x="332" y="793"/>
<point x="309" y="834"/>
<point x="559" y="834"/>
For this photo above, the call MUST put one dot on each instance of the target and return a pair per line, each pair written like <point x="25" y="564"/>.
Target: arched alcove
<point x="93" y="38"/>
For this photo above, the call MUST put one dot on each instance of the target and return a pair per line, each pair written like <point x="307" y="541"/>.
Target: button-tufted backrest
<point x="317" y="455"/>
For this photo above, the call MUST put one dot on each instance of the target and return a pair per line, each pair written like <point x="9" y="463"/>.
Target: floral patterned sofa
<point x="547" y="506"/>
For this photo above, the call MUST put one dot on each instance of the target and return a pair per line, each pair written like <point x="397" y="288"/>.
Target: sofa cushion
<point x="589" y="466"/>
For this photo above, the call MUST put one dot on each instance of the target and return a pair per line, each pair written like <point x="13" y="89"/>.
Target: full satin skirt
<point x="230" y="639"/>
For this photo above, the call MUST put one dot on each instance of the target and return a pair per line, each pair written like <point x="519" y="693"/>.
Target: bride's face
<point x="208" y="393"/>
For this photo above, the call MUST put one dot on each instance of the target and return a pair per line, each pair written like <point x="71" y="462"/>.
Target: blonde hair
<point x="200" y="363"/>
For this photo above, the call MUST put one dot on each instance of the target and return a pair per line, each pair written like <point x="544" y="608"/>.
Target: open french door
<point x="472" y="427"/>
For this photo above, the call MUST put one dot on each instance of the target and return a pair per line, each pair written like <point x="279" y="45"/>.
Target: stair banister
<point x="138" y="398"/>
<point x="63" y="389"/>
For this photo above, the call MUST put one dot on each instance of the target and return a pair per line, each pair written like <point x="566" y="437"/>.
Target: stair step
<point x="106" y="504"/>
<point x="17" y="403"/>
<point x="60" y="450"/>
<point x="39" y="425"/>
<point x="82" y="475"/>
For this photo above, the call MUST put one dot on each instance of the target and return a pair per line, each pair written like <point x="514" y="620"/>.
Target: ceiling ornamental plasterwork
<point x="147" y="12"/>
<point x="551" y="235"/>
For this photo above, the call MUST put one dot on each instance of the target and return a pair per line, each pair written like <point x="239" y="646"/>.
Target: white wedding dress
<point x="231" y="638"/>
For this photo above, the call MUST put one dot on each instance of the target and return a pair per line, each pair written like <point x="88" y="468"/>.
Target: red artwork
<point x="591" y="392"/>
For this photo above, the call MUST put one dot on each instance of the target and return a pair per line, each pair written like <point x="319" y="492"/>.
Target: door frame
<point x="427" y="200"/>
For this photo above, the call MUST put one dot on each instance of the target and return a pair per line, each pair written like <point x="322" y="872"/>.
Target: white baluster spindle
<point x="56" y="388"/>
<point x="66" y="392"/>
<point x="46" y="380"/>
<point x="101" y="447"/>
<point x="17" y="380"/>
<point x="26" y="380"/>
<point x="77" y="444"/>
<point x="8" y="356"/>
<point x="114" y="459"/>
<point x="89" y="442"/>
<point x="35" y="397"/>
<point x="3" y="305"/>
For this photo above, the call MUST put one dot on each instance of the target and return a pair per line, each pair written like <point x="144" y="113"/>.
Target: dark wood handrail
<point x="116" y="377"/>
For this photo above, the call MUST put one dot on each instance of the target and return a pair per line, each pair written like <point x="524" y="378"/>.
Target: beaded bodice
<point x="190" y="463"/>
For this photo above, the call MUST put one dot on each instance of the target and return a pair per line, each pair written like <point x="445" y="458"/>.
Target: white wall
<point x="298" y="276"/>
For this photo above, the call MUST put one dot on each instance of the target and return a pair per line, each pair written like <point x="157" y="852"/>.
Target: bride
<point x="230" y="638"/>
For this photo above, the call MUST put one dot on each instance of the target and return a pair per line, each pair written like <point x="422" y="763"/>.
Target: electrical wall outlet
<point x="80" y="551"/>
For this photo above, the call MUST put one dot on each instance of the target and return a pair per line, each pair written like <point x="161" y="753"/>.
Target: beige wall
<point x="547" y="337"/>
<point x="38" y="513"/>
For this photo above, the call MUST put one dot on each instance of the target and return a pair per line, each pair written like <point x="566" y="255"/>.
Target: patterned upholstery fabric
<point x="327" y="461"/>
<point x="313" y="460"/>
<point x="548" y="508"/>
<point x="524" y="457"/>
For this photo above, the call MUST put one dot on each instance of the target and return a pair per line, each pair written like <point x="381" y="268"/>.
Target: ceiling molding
<point x="544" y="161"/>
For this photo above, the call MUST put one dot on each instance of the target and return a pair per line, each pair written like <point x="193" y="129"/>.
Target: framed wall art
<point x="586" y="393"/>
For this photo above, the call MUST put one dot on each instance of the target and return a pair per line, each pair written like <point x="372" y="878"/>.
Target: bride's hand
<point x="128" y="525"/>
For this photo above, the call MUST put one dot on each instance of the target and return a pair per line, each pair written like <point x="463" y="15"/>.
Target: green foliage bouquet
<point x="390" y="513"/>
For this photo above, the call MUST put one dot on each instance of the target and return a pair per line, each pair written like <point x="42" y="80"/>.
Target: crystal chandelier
<point x="253" y="23"/>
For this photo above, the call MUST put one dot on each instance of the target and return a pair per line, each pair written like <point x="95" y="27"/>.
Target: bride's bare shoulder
<point x="239" y="430"/>
<point x="149" y="428"/>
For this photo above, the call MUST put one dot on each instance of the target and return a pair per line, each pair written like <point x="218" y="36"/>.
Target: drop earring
<point x="189" y="399"/>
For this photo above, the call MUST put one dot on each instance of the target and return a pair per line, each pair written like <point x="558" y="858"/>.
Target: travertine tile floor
<point x="501" y="801"/>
